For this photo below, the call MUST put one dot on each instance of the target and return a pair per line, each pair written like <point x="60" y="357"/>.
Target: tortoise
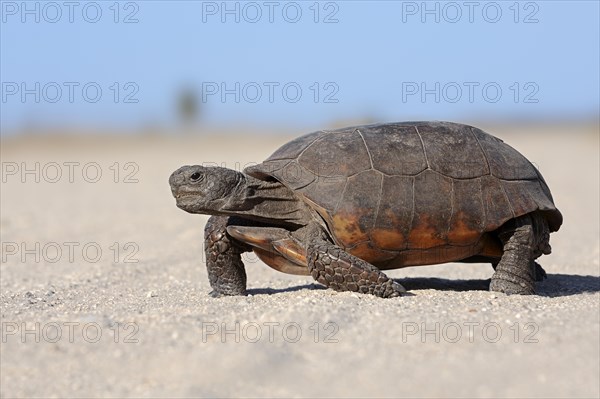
<point x="343" y="205"/>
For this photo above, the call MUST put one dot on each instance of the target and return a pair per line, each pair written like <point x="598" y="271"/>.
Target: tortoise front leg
<point x="335" y="268"/>
<point x="226" y="272"/>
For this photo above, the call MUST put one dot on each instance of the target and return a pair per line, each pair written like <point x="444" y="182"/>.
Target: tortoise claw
<point x="399" y="290"/>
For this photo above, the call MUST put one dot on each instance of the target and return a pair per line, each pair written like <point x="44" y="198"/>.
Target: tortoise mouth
<point x="183" y="193"/>
<point x="185" y="201"/>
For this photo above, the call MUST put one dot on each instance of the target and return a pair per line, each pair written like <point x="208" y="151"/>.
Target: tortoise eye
<point x="195" y="176"/>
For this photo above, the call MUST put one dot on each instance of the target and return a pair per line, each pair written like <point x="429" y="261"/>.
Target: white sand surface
<point x="163" y="336"/>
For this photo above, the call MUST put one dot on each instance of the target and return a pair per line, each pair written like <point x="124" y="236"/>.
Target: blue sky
<point x="479" y="60"/>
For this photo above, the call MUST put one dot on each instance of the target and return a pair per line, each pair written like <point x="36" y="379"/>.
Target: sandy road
<point x="118" y="295"/>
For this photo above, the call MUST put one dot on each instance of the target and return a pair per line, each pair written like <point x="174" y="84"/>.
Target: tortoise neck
<point x="265" y="201"/>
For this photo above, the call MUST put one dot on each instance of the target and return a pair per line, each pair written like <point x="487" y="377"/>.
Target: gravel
<point x="137" y="321"/>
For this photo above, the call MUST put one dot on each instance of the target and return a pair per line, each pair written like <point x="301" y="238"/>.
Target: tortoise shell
<point x="411" y="193"/>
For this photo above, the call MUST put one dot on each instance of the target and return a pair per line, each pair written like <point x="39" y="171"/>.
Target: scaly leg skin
<point x="226" y="271"/>
<point x="540" y="273"/>
<point x="516" y="271"/>
<point x="335" y="268"/>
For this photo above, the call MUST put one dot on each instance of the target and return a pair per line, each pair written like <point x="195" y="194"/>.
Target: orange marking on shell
<point x="388" y="239"/>
<point x="368" y="252"/>
<point x="347" y="230"/>
<point x="461" y="233"/>
<point x="425" y="235"/>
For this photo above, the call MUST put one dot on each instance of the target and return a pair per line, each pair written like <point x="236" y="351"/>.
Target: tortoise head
<point x="206" y="190"/>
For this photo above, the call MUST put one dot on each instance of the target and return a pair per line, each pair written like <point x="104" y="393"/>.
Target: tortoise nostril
<point x="177" y="178"/>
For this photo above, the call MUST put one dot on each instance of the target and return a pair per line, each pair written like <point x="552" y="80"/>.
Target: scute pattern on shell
<point x="410" y="186"/>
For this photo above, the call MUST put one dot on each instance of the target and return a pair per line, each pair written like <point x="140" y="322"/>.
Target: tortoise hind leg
<point x="516" y="271"/>
<point x="335" y="268"/>
<point x="540" y="273"/>
<point x="224" y="264"/>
